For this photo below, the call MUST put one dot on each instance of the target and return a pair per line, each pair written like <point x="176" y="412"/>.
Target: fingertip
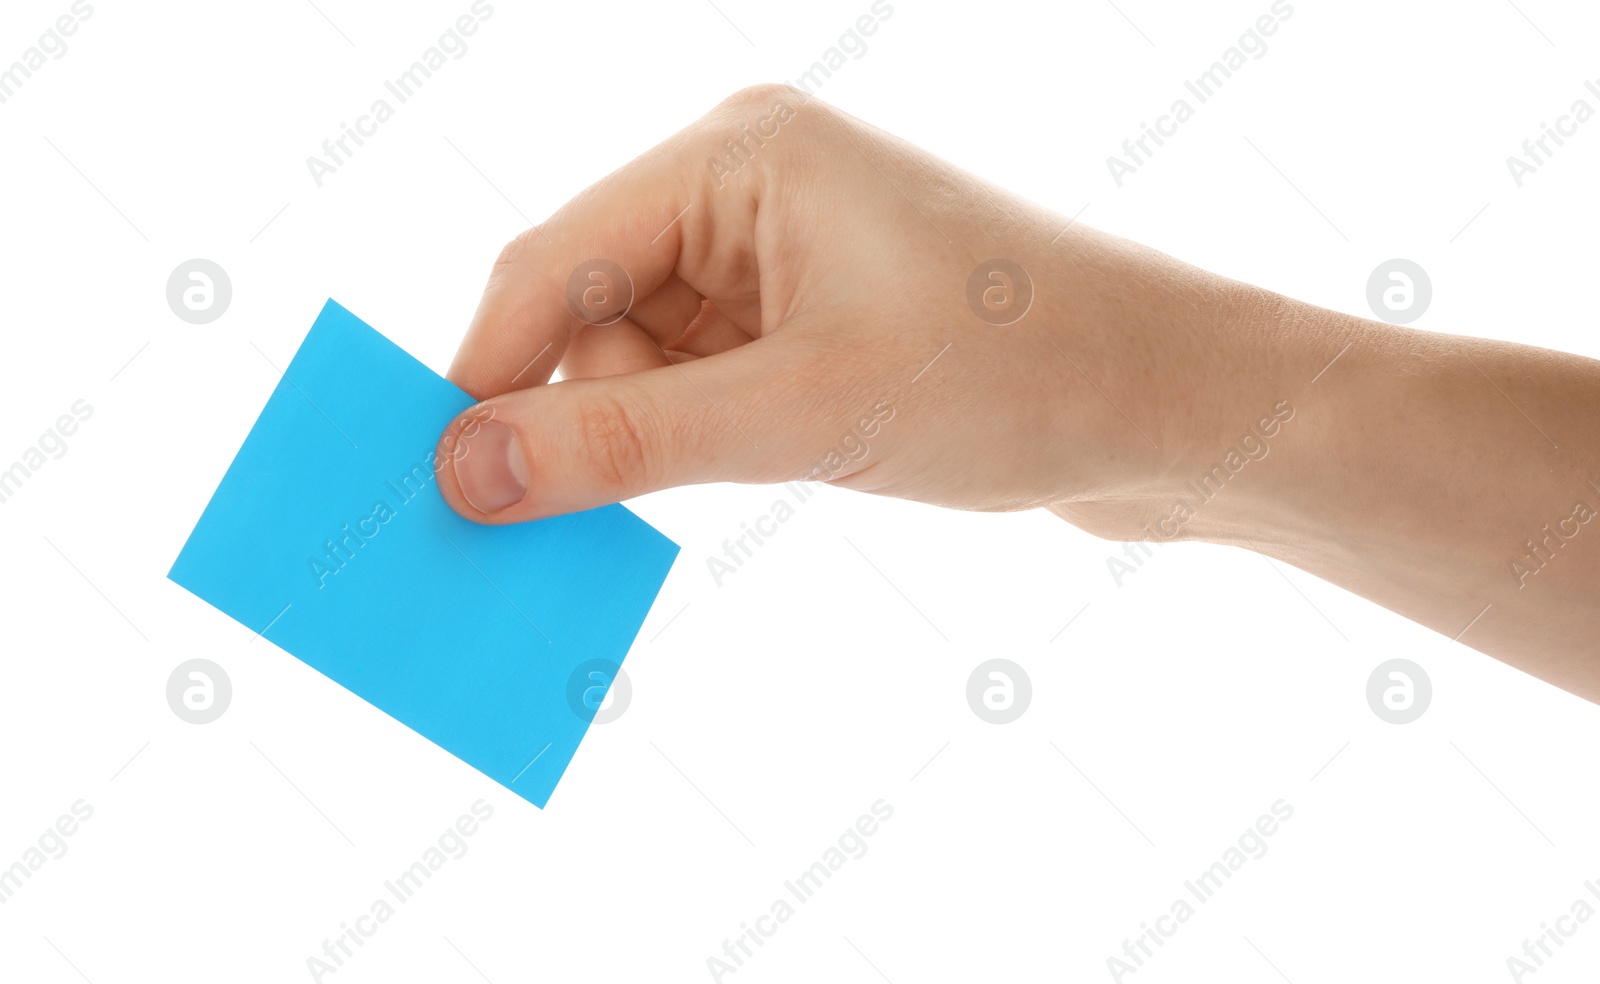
<point x="491" y="469"/>
<point x="481" y="466"/>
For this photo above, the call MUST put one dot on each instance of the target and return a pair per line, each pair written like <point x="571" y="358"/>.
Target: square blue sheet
<point x="328" y="532"/>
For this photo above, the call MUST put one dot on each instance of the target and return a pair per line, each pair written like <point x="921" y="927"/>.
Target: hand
<point x="782" y="292"/>
<point x="813" y="312"/>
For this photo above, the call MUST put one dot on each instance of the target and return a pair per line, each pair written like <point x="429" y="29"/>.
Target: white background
<point x="770" y="712"/>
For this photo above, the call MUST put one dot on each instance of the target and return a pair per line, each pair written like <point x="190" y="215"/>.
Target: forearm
<point x="1452" y="480"/>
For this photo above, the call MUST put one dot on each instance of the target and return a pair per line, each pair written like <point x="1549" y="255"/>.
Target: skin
<point x="827" y="275"/>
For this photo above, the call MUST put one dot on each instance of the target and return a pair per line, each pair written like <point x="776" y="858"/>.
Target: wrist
<point x="1209" y="384"/>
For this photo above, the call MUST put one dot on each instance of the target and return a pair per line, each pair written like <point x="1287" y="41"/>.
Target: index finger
<point x="613" y="245"/>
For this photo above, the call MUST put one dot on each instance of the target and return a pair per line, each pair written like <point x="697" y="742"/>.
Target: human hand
<point x="787" y="293"/>
<point x="819" y="307"/>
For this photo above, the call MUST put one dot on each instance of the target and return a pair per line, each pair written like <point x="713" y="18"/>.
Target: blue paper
<point x="328" y="535"/>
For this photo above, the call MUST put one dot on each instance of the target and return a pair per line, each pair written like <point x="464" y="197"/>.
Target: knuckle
<point x="762" y="111"/>
<point x="742" y="132"/>
<point x="758" y="98"/>
<point x="514" y="251"/>
<point x="613" y="445"/>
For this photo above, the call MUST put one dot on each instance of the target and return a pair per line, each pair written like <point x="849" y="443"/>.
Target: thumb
<point x="741" y="416"/>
